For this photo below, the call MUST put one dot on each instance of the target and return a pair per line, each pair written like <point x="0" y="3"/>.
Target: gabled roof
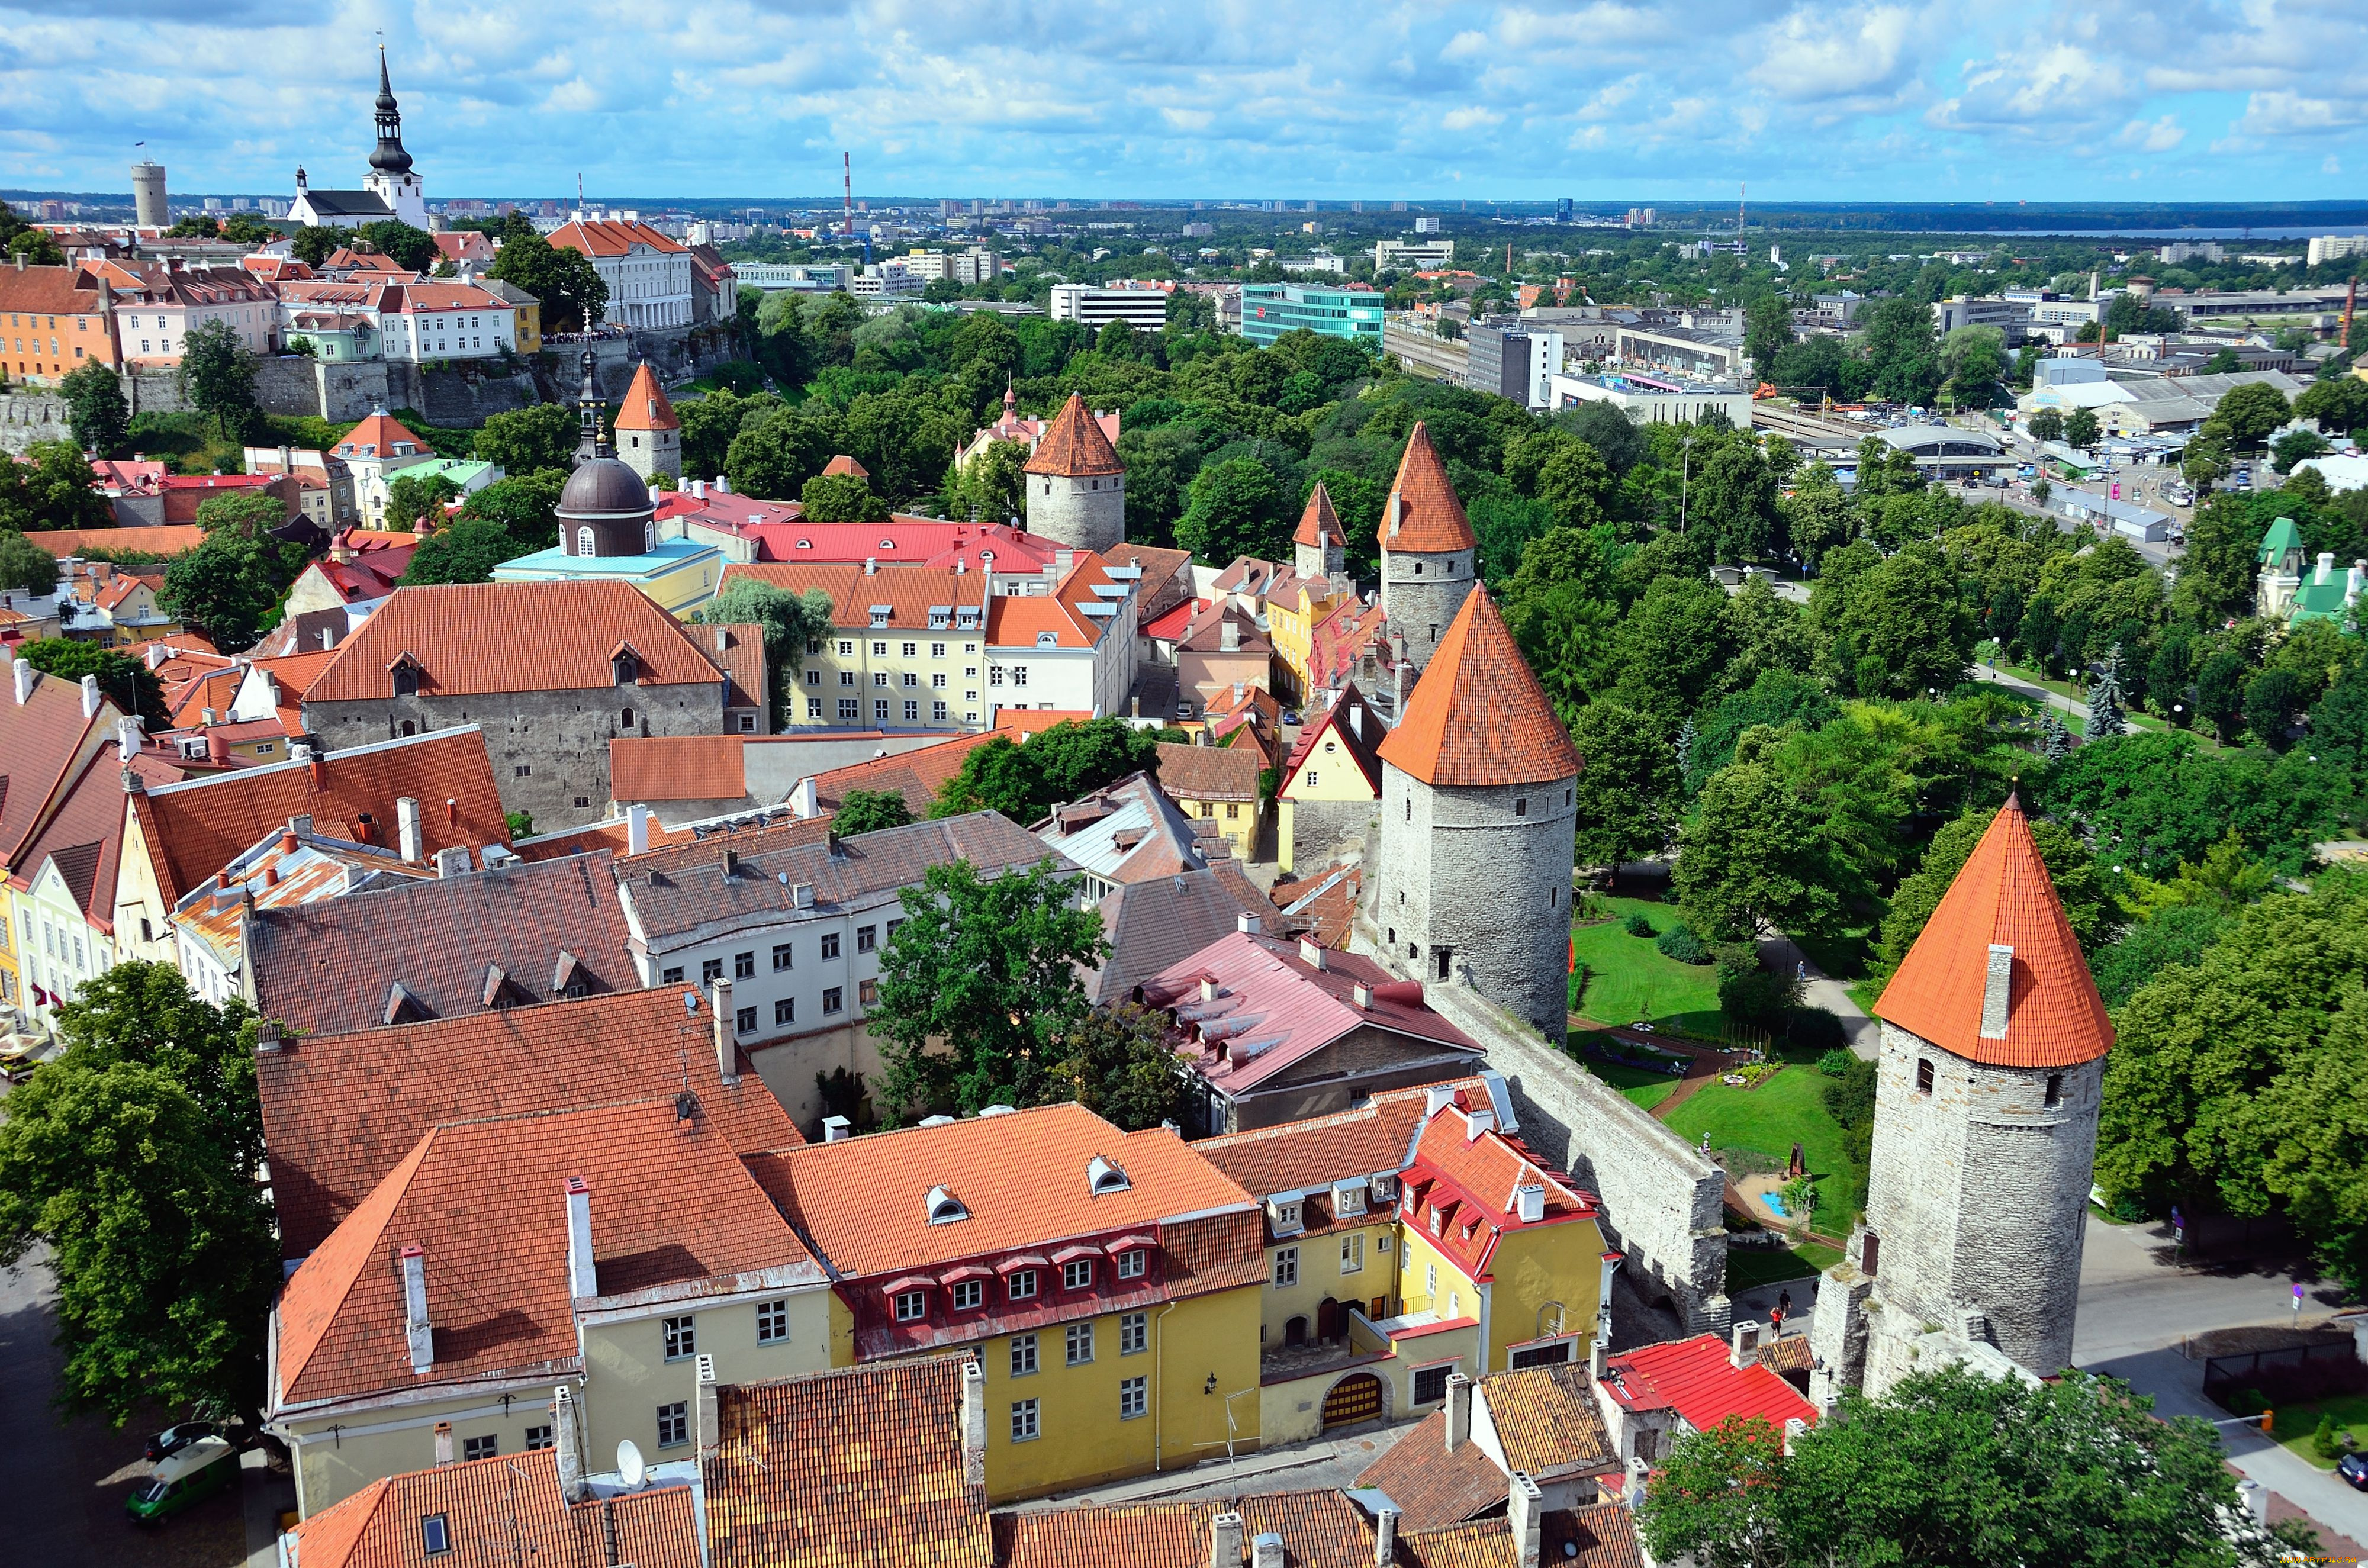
<point x="2282" y="536"/>
<point x="2001" y="909"/>
<point x="1433" y="1486"/>
<point x="1422" y="513"/>
<point x="1075" y="446"/>
<point x="846" y="467"/>
<point x="149" y="538"/>
<point x="858" y="1468"/>
<point x="1333" y="735"/>
<point x="1210" y="773"/>
<point x="1462" y="1187"/>
<point x="1316" y="1151"/>
<point x="84" y="830"/>
<point x="1319" y="524"/>
<point x="471" y="639"/>
<point x="1698" y="1378"/>
<point x="1319" y="1529"/>
<point x="1478" y="716"/>
<point x="1124" y="832"/>
<point x="39" y="739"/>
<point x="645" y="406"/>
<point x="1157" y="922"/>
<point x="603" y="237"/>
<point x="1548" y="1421"/>
<point x="339" y="1111"/>
<point x="1602" y="1535"/>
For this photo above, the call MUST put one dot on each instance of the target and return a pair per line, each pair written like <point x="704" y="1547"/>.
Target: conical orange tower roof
<point x="1996" y="976"/>
<point x="645" y="406"/>
<point x="1074" y="445"/>
<point x="1319" y="524"/>
<point x="1422" y="513"/>
<point x="1478" y="716"/>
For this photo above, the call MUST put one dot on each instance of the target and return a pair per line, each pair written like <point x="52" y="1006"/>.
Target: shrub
<point x="1735" y="959"/>
<point x="1578" y="987"/>
<point x="2325" y="1442"/>
<point x="1679" y="942"/>
<point x="1814" y="1029"/>
<point x="1836" y="1062"/>
<point x="1759" y="999"/>
<point x="1640" y="924"/>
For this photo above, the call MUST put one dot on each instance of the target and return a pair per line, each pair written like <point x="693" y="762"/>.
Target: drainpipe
<point x="1158" y="1381"/>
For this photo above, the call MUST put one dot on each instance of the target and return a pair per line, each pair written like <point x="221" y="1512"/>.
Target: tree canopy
<point x="1064" y="763"/>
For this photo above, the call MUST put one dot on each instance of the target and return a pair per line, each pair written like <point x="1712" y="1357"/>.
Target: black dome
<point x="604" y="488"/>
<point x="390" y="158"/>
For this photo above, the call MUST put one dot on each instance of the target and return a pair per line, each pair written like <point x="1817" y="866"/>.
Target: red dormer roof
<point x="1422" y="513"/>
<point x="1075" y="446"/>
<point x="1699" y="1380"/>
<point x="1468" y="1176"/>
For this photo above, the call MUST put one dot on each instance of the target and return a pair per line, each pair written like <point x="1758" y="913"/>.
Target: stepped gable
<point x="645" y="404"/>
<point x="1075" y="446"/>
<point x="1319" y="524"/>
<point x="1422" y="514"/>
<point x="2003" y="899"/>
<point x="1478" y="716"/>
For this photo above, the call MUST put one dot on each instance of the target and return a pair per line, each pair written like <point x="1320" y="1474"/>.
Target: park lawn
<point x="2294" y="1424"/>
<point x="2138" y="717"/>
<point x="1645" y="1088"/>
<point x="1748" y="1268"/>
<point x="1767" y="1121"/>
<point x="1628" y="978"/>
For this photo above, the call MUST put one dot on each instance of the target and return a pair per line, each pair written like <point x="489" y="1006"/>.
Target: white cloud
<point x="1472" y="116"/>
<point x="2157" y="136"/>
<point x="2333" y="165"/>
<point x="2292" y="113"/>
<point x="2052" y="93"/>
<point x="1861" y="55"/>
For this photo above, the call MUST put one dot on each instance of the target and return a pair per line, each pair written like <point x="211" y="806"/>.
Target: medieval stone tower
<point x="649" y="435"/>
<point x="1994" y="1044"/>
<point x="1470" y="877"/>
<point x="1077" y="487"/>
<point x="1318" y="547"/>
<point x="1428" y="550"/>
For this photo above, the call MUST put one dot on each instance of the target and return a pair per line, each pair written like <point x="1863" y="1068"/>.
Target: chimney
<point x="23" y="673"/>
<point x="415" y="1329"/>
<point x="722" y="486"/>
<point x="1746" y="1350"/>
<point x="1225" y="1540"/>
<point x="872" y="566"/>
<point x="731" y="866"/>
<point x="698" y="490"/>
<point x="328" y="638"/>
<point x="583" y="1278"/>
<point x="127" y="736"/>
<point x="407" y="839"/>
<point x="637" y="830"/>
<point x="1311" y="953"/>
<point x="443" y="1444"/>
<point x="218" y="750"/>
<point x="1229" y="636"/>
<point x="1529" y="1202"/>
<point x="567" y="1429"/>
<point x="1598" y="1361"/>
<point x="974" y="1424"/>
<point x="90" y="696"/>
<point x="727" y="1048"/>
<point x="1525" y="1511"/>
<point x="709" y="1418"/>
<point x="805" y="800"/>
<point x="300" y="826"/>
<point x="1398" y="684"/>
<point x="452" y="862"/>
<point x="1459" y="1411"/>
<point x="836" y="1130"/>
<point x="1247" y="923"/>
<point x="1266" y="1551"/>
<point x="1362" y="995"/>
<point x="801" y="895"/>
<point x="1998" y="990"/>
<point x="1385" y="1538"/>
<point x="267" y="1038"/>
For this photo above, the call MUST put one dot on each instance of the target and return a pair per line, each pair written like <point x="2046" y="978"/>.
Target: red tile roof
<point x="917" y="775"/>
<point x="84" y="832"/>
<point x="339" y="1111"/>
<point x="1319" y="524"/>
<point x="1319" y="1529"/>
<point x="612" y="236"/>
<point x="645" y="406"/>
<point x="673" y="1212"/>
<point x="1432" y="1486"/>
<point x="473" y="638"/>
<point x="498" y="1511"/>
<point x="194" y="829"/>
<point x="1601" y="1536"/>
<point x="1422" y="513"/>
<point x="858" y="1467"/>
<point x="1698" y="1378"/>
<point x="1297" y="1156"/>
<point x="846" y="467"/>
<point x="1547" y="1419"/>
<point x="40" y="740"/>
<point x="1210" y="773"/>
<point x="377" y="437"/>
<point x="1478" y="716"/>
<point x="150" y="538"/>
<point x="676" y="767"/>
<point x="2003" y="898"/>
<point x="1352" y="742"/>
<point x="1075" y="446"/>
<point x="1462" y="1188"/>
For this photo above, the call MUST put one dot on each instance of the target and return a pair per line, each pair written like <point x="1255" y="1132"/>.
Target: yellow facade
<point x="12" y="983"/>
<point x="1545" y="1284"/>
<point x="1236" y="820"/>
<point x="528" y="327"/>
<point x="1327" y="774"/>
<point x="1291" y="628"/>
<point x="943" y="672"/>
<point x="1356" y="1266"/>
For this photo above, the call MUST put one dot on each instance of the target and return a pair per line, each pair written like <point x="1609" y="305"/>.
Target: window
<point x="536" y="1438"/>
<point x="969" y="1295"/>
<point x="938" y="681"/>
<point x="1019" y="674"/>
<point x="1131" y="1263"/>
<point x="833" y="1000"/>
<point x="743" y="1020"/>
<point x="846" y="677"/>
<point x="1431" y="1279"/>
<point x="710" y="971"/>
<point x="584" y="541"/>
<point x="1555" y="1354"/>
<point x="1430" y="1383"/>
<point x="1521" y="805"/>
<point x="744" y="966"/>
<point x="785" y="1011"/>
<point x="911" y="680"/>
<point x="847" y="648"/>
<point x="1208" y="809"/>
<point x="849" y="710"/>
<point x="911" y="649"/>
<point x="1023" y="1355"/>
<point x="1286" y="1266"/>
<point x="937" y="650"/>
<point x="480" y="1448"/>
<point x="435" y="1530"/>
<point x="1352" y="1253"/>
<point x="995" y="675"/>
<point x="670" y="976"/>
<point x="867" y="937"/>
<point x="1232" y="811"/>
<point x="1077" y="1274"/>
<point x="880" y="710"/>
<point x="830" y="944"/>
<point x="911" y="1306"/>
<point x="1133" y="1332"/>
<point x="867" y="992"/>
<point x="1021" y="1285"/>
<point x="1286" y="1215"/>
<point x="938" y="714"/>
<point x="781" y="957"/>
<point x="2054" y="1087"/>
<point x="813" y="707"/>
<point x="674" y="1425"/>
<point x="1081" y="1343"/>
<point x="681" y="1338"/>
<point x="1134" y="1397"/>
<point x="880" y="650"/>
<point x="772" y="1322"/>
<point x="1923" y="1075"/>
<point x="879" y="677"/>
<point x="1309" y="778"/>
<point x="1023" y="1421"/>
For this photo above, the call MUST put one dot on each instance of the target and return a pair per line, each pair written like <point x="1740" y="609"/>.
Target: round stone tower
<point x="648" y="431"/>
<point x="1318" y="547"/>
<point x="1428" y="550"/>
<point x="1077" y="487"/>
<point x="1993" y="1055"/>
<point x="1471" y="878"/>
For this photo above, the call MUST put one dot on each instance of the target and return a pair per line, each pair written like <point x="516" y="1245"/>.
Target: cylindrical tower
<point x="1428" y="552"/>
<point x="1077" y="487"/>
<point x="148" y="194"/>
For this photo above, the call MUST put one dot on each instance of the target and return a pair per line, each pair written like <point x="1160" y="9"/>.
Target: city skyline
<point x="1604" y="102"/>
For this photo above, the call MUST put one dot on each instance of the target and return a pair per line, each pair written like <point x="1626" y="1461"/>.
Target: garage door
<point x="1353" y="1399"/>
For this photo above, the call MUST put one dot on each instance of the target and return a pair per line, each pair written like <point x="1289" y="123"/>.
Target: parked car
<point x="2353" y="1469"/>
<point x="184" y="1480"/>
<point x="173" y="1439"/>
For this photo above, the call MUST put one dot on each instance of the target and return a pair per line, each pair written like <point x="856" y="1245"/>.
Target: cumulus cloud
<point x="2293" y="114"/>
<point x="2157" y="136"/>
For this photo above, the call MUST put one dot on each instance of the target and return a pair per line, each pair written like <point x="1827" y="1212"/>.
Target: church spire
<point x="388" y="157"/>
<point x="590" y="442"/>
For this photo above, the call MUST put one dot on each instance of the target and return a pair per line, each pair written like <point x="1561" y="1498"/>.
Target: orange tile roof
<point x="473" y="638"/>
<point x="377" y="437"/>
<point x="1478" y="715"/>
<point x="858" y="1467"/>
<point x="1602" y="1535"/>
<point x="847" y="466"/>
<point x="1319" y="1529"/>
<point x="1294" y="1156"/>
<point x="1549" y="1423"/>
<point x="293" y="673"/>
<point x="676" y="767"/>
<point x="1319" y="524"/>
<point x="673" y="1212"/>
<point x="1210" y="773"/>
<point x="147" y="539"/>
<point x="1422" y="513"/>
<point x="612" y="236"/>
<point x="1462" y="1187"/>
<point x="40" y="740"/>
<point x="917" y="775"/>
<point x="339" y="1111"/>
<point x="1432" y="1486"/>
<point x="498" y="1511"/>
<point x="645" y="404"/>
<point x="2004" y="897"/>
<point x="1075" y="446"/>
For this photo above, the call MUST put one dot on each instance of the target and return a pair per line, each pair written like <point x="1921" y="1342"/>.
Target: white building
<point x="157" y="306"/>
<point x="2335" y="247"/>
<point x="1653" y="400"/>
<point x="818" y="278"/>
<point x="648" y="274"/>
<point x="888" y="280"/>
<point x="1143" y="306"/>
<point x="1412" y="255"/>
<point x="292" y="867"/>
<point x="392" y="189"/>
<point x="428" y="321"/>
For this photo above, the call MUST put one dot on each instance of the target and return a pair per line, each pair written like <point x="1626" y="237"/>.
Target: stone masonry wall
<point x="1086" y="514"/>
<point x="29" y="417"/>
<point x="1325" y="831"/>
<point x="1422" y="592"/>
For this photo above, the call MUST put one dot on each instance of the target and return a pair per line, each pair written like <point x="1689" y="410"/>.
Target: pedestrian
<point x="1776" y="1324"/>
<point x="1784" y="1302"/>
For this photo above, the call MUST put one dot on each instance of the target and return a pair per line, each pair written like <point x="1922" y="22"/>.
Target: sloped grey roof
<point x="1154" y="923"/>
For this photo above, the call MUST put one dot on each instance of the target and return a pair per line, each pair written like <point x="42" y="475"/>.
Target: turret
<point x="1428" y="550"/>
<point x="1077" y="487"/>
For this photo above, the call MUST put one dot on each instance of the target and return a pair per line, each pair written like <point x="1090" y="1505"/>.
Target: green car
<point x="183" y="1479"/>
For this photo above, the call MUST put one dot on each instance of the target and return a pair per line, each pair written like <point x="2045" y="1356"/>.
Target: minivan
<point x="183" y="1479"/>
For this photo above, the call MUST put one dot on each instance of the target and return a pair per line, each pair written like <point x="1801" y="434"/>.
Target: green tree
<point x="841" y="498"/>
<point x="1767" y="332"/>
<point x="1236" y="508"/>
<point x="465" y="550"/>
<point x="1066" y="762"/>
<point x="1119" y="1063"/>
<point x="248" y="230"/>
<point x="1629" y="788"/>
<point x="25" y="567"/>
<point x="316" y="243"/>
<point x="985" y="970"/>
<point x="128" y="683"/>
<point x="709" y="424"/>
<point x="414" y="501"/>
<point x="2295" y="445"/>
<point x="2249" y="413"/>
<point x="790" y="622"/>
<point x="573" y="294"/>
<point x="1752" y="856"/>
<point x="101" y="418"/>
<point x="242" y="513"/>
<point x="2224" y="363"/>
<point x="1734" y="503"/>
<point x="54" y="489"/>
<point x="992" y="486"/>
<point x="2273" y="700"/>
<point x="778" y="450"/>
<point x="1897" y="630"/>
<point x="412" y="249"/>
<point x="133" y="1158"/>
<point x="2080" y="428"/>
<point x="527" y="440"/>
<point x="217" y="376"/>
<point x="1901" y="350"/>
<point x="1673" y="647"/>
<point x="2153" y="800"/>
<point x="1972" y="363"/>
<point x="1819" y="515"/>
<point x="868" y="810"/>
<point x="229" y="583"/>
<point x="2044" y="425"/>
<point x="2340" y="403"/>
<point x="38" y="247"/>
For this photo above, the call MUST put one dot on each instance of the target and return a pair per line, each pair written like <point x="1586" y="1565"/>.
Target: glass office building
<point x="1270" y="310"/>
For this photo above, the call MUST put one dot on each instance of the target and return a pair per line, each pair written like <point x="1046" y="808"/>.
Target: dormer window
<point x="911" y="1306"/>
<point x="880" y="614"/>
<point x="1077" y="1274"/>
<point x="944" y="1208"/>
<point x="406" y="678"/>
<point x="969" y="1295"/>
<point x="1021" y="1287"/>
<point x="1348" y="1197"/>
<point x="1284" y="1215"/>
<point x="1103" y="1177"/>
<point x="1132" y="1264"/>
<point x="624" y="668"/>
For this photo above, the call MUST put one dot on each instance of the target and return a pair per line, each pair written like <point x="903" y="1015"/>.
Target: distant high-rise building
<point x="1398" y="207"/>
<point x="1356" y="206"/>
<point x="1423" y="225"/>
<point x="1561" y="211"/>
<point x="213" y="204"/>
<point x="1311" y="207"/>
<point x="148" y="194"/>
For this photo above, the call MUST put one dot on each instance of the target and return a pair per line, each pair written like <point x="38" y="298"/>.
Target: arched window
<point x="584" y="541"/>
<point x="649" y="537"/>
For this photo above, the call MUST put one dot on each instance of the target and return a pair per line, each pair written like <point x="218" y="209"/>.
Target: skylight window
<point x="1103" y="1177"/>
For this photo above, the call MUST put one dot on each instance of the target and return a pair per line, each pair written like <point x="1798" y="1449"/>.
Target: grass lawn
<point x="1647" y="1089"/>
<point x="1844" y="956"/>
<point x="2138" y="718"/>
<point x="2296" y="1423"/>
<point x="1767" y="1121"/>
<point x="1750" y="1268"/>
<point x="1628" y="978"/>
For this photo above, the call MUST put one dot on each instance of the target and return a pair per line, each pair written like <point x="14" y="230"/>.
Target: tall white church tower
<point x="391" y="178"/>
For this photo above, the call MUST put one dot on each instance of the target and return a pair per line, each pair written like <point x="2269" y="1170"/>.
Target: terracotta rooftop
<point x="1319" y="905"/>
<point x="84" y="830"/>
<point x="917" y="775"/>
<point x="645" y="404"/>
<point x="846" y="467"/>
<point x="339" y="1111"/>
<point x="2003" y="911"/>
<point x="1432" y="1486"/>
<point x="676" y="767"/>
<point x="1210" y="773"/>
<point x="1547" y="1419"/>
<point x="149" y="538"/>
<point x="1422" y="513"/>
<point x="378" y="438"/>
<point x="1698" y="1378"/>
<point x="1319" y="524"/>
<point x="1464" y="1187"/>
<point x="499" y="1511"/>
<point x="1478" y="717"/>
<point x="1300" y="1156"/>
<point x="40" y="740"/>
<point x="1075" y="446"/>
<point x="1331" y="740"/>
<point x="612" y="236"/>
<point x="1602" y="1535"/>
<point x="1160" y="921"/>
<point x="469" y="639"/>
<point x="1319" y="1529"/>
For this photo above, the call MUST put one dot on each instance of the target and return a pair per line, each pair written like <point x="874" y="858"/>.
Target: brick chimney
<point x="974" y="1424"/>
<point x="1525" y="1511"/>
<point x="583" y="1278"/>
<point x="408" y="842"/>
<point x="416" y="1333"/>
<point x="1225" y="1540"/>
<point x="1459" y="1411"/>
<point x="727" y="1046"/>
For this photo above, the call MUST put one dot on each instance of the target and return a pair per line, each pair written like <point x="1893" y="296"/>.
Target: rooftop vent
<point x="944" y="1208"/>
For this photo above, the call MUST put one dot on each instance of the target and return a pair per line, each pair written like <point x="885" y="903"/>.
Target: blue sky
<point x="2005" y="99"/>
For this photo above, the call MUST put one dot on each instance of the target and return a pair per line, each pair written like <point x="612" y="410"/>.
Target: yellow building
<point x="526" y="312"/>
<point x="1331" y="782"/>
<point x="1110" y="1283"/>
<point x="1219" y="785"/>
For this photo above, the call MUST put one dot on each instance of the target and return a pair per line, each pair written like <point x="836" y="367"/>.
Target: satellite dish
<point x="629" y="1468"/>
